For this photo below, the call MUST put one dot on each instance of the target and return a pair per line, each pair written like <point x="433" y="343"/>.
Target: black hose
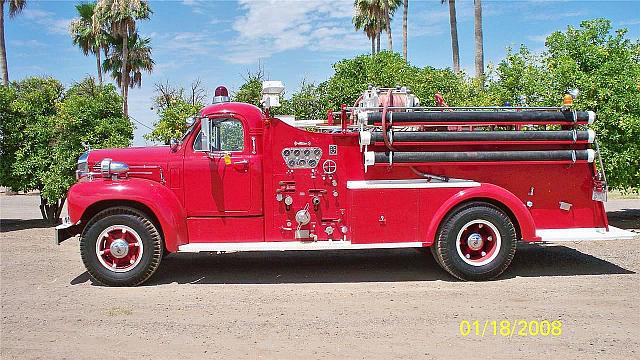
<point x="450" y="156"/>
<point x="438" y="136"/>
<point x="462" y="117"/>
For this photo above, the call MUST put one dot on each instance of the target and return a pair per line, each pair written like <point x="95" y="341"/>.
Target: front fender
<point x="161" y="201"/>
<point x="495" y="194"/>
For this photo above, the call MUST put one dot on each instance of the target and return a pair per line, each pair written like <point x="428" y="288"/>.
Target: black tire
<point x="445" y="248"/>
<point x="151" y="244"/>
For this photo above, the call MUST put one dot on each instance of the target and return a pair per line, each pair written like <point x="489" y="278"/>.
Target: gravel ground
<point x="360" y="305"/>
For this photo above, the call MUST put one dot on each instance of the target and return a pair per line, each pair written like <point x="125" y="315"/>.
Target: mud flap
<point x="66" y="230"/>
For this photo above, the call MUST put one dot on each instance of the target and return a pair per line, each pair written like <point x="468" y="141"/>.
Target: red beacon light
<point x="221" y="95"/>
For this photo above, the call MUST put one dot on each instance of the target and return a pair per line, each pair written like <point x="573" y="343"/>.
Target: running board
<point x="290" y="246"/>
<point x="584" y="234"/>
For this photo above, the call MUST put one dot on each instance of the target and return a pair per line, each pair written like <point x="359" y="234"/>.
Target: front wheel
<point x="475" y="242"/>
<point x="121" y="247"/>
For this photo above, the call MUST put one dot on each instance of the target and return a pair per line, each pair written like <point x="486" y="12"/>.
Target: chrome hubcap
<point x="119" y="248"/>
<point x="474" y="241"/>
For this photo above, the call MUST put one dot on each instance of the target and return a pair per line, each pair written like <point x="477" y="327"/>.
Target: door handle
<point x="241" y="165"/>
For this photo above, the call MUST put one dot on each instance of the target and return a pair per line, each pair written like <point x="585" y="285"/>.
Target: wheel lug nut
<point x="480" y="226"/>
<point x="484" y="253"/>
<point x="489" y="238"/>
<point x="468" y="256"/>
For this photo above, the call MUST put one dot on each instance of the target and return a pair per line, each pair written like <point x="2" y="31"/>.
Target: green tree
<point x="370" y="13"/>
<point x="310" y="102"/>
<point x="43" y="130"/>
<point x="453" y="29"/>
<point x="405" y="15"/>
<point x="172" y="122"/>
<point x="605" y="66"/>
<point x="386" y="69"/>
<point x="120" y="17"/>
<point x="83" y="36"/>
<point x="362" y="21"/>
<point x="479" y="43"/>
<point x="28" y="113"/>
<point x="523" y="73"/>
<point x="250" y="91"/>
<point x="15" y="7"/>
<point x="138" y="60"/>
<point x="174" y="106"/>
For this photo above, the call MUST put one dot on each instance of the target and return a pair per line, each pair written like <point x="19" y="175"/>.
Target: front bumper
<point x="66" y="230"/>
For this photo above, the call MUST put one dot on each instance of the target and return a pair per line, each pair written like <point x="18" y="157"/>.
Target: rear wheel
<point x="121" y="247"/>
<point x="475" y="242"/>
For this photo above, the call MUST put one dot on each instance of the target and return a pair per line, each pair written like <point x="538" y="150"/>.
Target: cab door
<point x="218" y="178"/>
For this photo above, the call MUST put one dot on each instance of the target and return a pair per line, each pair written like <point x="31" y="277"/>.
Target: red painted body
<point x="198" y="197"/>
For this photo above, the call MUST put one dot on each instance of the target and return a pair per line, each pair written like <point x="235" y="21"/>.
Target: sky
<point x="220" y="41"/>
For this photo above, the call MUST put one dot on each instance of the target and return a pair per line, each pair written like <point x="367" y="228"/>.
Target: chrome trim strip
<point x="584" y="234"/>
<point x="290" y="246"/>
<point x="409" y="184"/>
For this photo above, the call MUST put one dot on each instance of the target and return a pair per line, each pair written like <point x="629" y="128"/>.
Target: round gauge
<point x="317" y="152"/>
<point x="313" y="163"/>
<point x="292" y="163"/>
<point x="286" y="152"/>
<point x="296" y="152"/>
<point x="307" y="152"/>
<point x="288" y="200"/>
<point x="302" y="162"/>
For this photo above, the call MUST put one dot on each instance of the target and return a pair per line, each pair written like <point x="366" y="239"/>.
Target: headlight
<point x="83" y="167"/>
<point x="110" y="168"/>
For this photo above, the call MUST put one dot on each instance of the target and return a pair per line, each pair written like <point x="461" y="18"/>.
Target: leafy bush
<point x="605" y="67"/>
<point x="43" y="130"/>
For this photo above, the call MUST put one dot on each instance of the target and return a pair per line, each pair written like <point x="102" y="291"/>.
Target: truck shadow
<point x="625" y="218"/>
<point x="392" y="265"/>
<point x="8" y="225"/>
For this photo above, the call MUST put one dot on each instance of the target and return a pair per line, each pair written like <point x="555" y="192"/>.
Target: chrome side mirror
<point x="173" y="144"/>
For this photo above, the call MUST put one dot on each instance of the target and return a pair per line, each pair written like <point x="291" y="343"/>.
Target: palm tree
<point x="479" y="47"/>
<point x="380" y="12"/>
<point x="89" y="41"/>
<point x="405" y="14"/>
<point x="389" y="8"/>
<point x="15" y="7"/>
<point x="120" y="16"/>
<point x="453" y="24"/>
<point x="368" y="25"/>
<point x="139" y="60"/>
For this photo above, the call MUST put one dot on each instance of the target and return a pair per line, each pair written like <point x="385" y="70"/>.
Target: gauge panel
<point x="302" y="157"/>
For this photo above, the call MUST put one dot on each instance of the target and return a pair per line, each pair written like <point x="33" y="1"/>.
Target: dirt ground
<point x="378" y="304"/>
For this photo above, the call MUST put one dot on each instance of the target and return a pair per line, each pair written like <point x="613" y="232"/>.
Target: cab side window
<point x="227" y="135"/>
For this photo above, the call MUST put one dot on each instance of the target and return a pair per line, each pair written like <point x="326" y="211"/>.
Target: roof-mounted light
<point x="271" y="91"/>
<point x="221" y="95"/>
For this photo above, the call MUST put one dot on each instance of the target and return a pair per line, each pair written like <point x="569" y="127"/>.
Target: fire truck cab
<point x="468" y="183"/>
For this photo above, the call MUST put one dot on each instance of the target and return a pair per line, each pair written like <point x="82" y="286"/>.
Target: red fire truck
<point x="468" y="183"/>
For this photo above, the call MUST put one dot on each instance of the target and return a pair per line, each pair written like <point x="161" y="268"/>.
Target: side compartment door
<point x="384" y="215"/>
